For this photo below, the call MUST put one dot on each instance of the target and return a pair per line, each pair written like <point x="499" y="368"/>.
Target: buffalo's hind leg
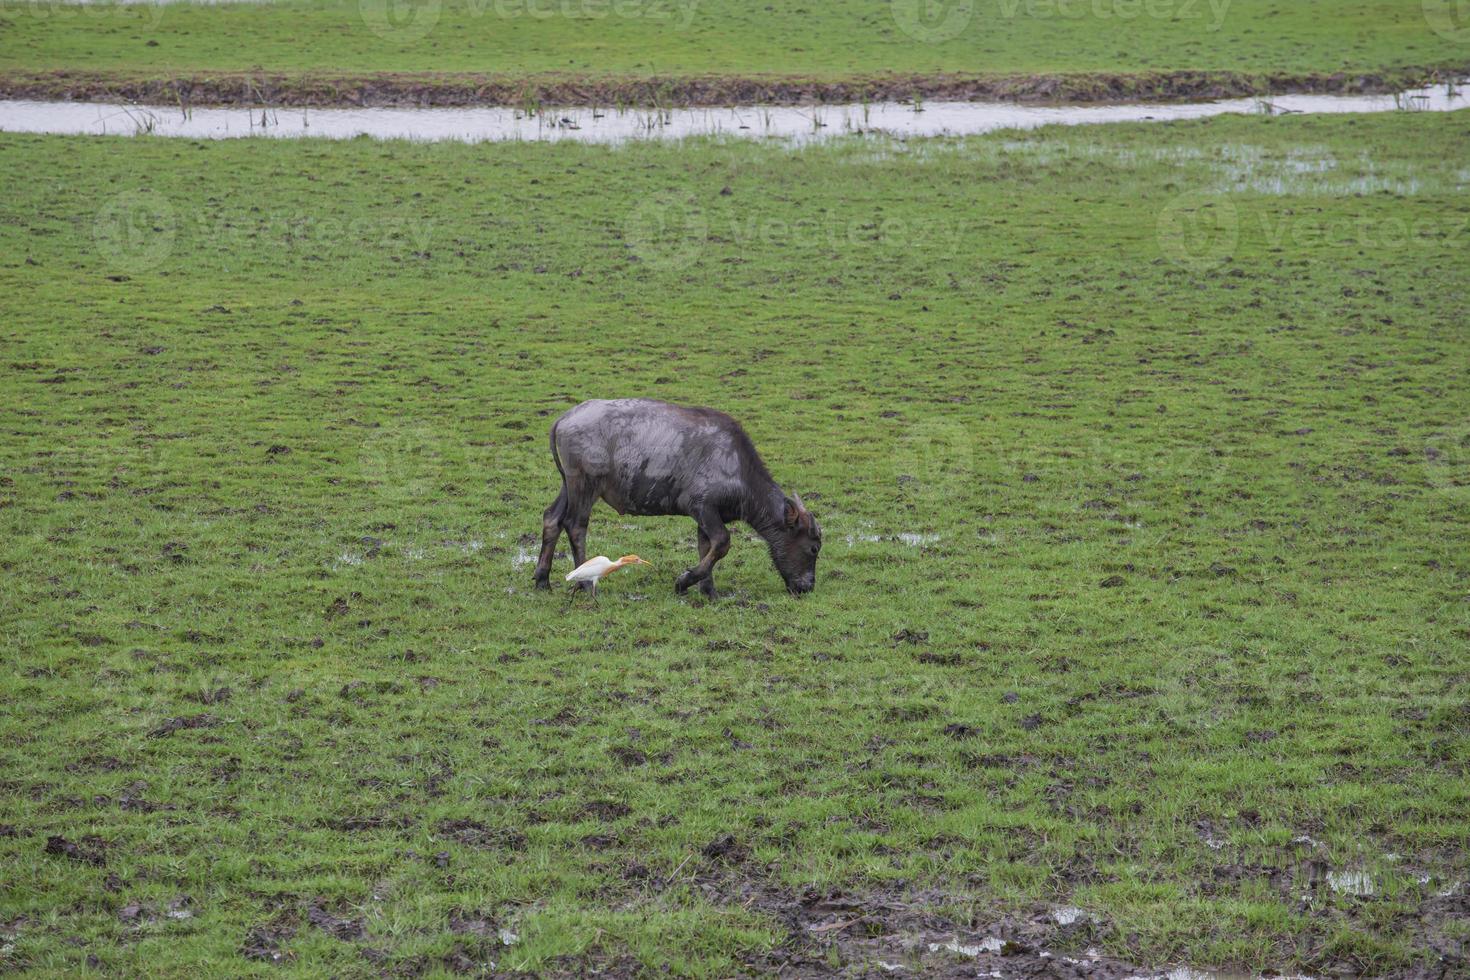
<point x="551" y="528"/>
<point x="714" y="543"/>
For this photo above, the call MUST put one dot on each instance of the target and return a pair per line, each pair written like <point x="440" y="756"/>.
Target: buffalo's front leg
<point x="707" y="584"/>
<point x="713" y="533"/>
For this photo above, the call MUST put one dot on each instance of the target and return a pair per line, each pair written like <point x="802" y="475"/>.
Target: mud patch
<point x="473" y="833"/>
<point x="89" y="850"/>
<point x="334" y="924"/>
<point x="605" y="810"/>
<point x="266" y="942"/>
<point x="171" y="725"/>
<point x="472" y="923"/>
<point x="363" y="824"/>
<point x="836" y="933"/>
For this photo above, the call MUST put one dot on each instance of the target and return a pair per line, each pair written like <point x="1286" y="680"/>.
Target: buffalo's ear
<point x="793" y="512"/>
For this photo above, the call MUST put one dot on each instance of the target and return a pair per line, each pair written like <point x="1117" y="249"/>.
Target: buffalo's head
<point x="795" y="546"/>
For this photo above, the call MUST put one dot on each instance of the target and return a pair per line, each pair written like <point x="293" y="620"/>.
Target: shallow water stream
<point x="590" y="125"/>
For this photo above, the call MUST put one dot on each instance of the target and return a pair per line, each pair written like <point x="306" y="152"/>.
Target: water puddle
<point x="1067" y="916"/>
<point x="865" y="533"/>
<point x="1091" y="959"/>
<point x="798" y="124"/>
<point x="1351" y="882"/>
<point x="989" y="944"/>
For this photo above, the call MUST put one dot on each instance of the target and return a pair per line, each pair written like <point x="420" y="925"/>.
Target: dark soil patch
<point x="132" y="798"/>
<point x="363" y="824"/>
<point x="333" y="924"/>
<point x="171" y="725"/>
<point x="473" y="833"/>
<point x="472" y="923"/>
<point x="466" y="89"/>
<point x="629" y="756"/>
<point x="91" y="850"/>
<point x="605" y="810"/>
<point x="218" y="695"/>
<point x="265" y="942"/>
<point x="135" y="914"/>
<point x="600" y="842"/>
<point x="726" y="849"/>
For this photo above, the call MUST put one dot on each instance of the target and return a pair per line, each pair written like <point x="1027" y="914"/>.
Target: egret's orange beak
<point x="635" y="560"/>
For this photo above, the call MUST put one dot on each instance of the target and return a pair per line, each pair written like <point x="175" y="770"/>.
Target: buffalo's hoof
<point x="543" y="583"/>
<point x="683" y="582"/>
<point x="708" y="588"/>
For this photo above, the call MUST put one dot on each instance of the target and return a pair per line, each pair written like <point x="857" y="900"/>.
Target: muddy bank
<point x="457" y="90"/>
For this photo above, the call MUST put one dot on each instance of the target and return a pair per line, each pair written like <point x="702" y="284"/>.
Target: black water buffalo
<point x="648" y="457"/>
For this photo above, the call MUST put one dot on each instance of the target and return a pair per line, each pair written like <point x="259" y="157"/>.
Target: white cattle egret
<point x="594" y="570"/>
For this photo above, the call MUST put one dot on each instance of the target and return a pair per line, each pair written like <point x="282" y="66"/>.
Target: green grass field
<point x="697" y="37"/>
<point x="1143" y="455"/>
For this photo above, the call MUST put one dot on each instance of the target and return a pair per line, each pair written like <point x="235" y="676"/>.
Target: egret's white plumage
<point x="594" y="570"/>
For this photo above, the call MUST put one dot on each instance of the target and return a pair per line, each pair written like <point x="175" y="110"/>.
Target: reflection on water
<point x="592" y="125"/>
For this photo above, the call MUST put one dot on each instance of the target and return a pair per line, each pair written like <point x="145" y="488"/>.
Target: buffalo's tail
<point x="558" y="509"/>
<point x="556" y="457"/>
